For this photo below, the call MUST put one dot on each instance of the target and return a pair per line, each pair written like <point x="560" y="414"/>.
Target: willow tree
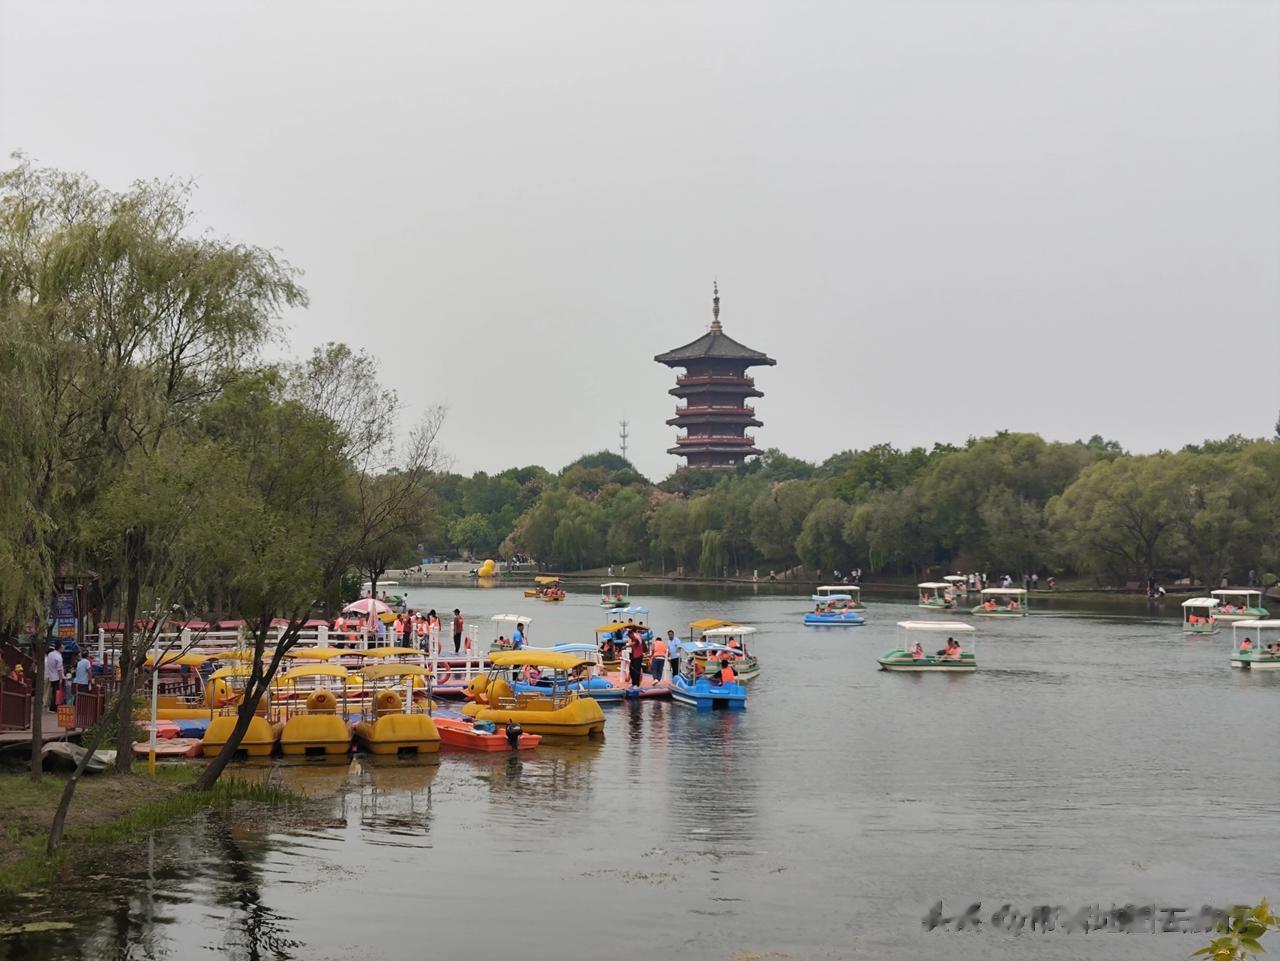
<point x="327" y="491"/>
<point x="139" y="321"/>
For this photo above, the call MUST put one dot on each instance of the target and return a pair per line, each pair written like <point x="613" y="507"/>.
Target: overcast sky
<point x="942" y="219"/>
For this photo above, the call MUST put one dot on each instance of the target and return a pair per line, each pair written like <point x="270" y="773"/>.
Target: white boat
<point x="1250" y="641"/>
<point x="1002" y="602"/>
<point x="850" y="592"/>
<point x="504" y="625"/>
<point x="959" y="584"/>
<point x="615" y="594"/>
<point x="1198" y="615"/>
<point x="744" y="662"/>
<point x="1239" y="604"/>
<point x="911" y="657"/>
<point x="936" y="595"/>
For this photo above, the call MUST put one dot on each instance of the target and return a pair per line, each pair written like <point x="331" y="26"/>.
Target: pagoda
<point x="714" y="388"/>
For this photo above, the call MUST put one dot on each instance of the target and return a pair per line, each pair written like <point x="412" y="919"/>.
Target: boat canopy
<point x="1270" y="623"/>
<point x="1201" y="602"/>
<point x="709" y="623"/>
<point x="546" y="580"/>
<point x="1003" y="591"/>
<point x="231" y="670"/>
<point x="315" y="653"/>
<point x="733" y="630"/>
<point x="556" y="660"/>
<point x="315" y="670"/>
<point x="702" y="647"/>
<point x="936" y="585"/>
<point x="1235" y="592"/>
<point x="629" y="611"/>
<point x="377" y="672"/>
<point x="616" y="626"/>
<point x="510" y="619"/>
<point x="942" y="627"/>
<point x="839" y="589"/>
<point x="570" y="647"/>
<point x="390" y="652"/>
<point x="242" y="654"/>
<point x="178" y="659"/>
<point x="831" y="597"/>
<point x="614" y="584"/>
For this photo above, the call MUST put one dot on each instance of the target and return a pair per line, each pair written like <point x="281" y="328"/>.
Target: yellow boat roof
<point x="315" y="670"/>
<point x="242" y="654"/>
<point x="556" y="660"/>
<point x="231" y="670"/>
<point x="546" y="580"/>
<point x="710" y="623"/>
<point x="616" y="626"/>
<point x="376" y="672"/>
<point x="315" y="653"/>
<point x="174" y="658"/>
<point x="389" y="652"/>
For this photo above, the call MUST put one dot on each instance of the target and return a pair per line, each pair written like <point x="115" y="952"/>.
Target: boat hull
<point x="901" y="662"/>
<point x="458" y="733"/>
<point x="170" y="747"/>
<point x="581" y="717"/>
<point x="1248" y="614"/>
<point x="315" y="735"/>
<point x="981" y="612"/>
<point x="851" y="619"/>
<point x="259" y="740"/>
<point x="1200" y="630"/>
<point x="705" y="696"/>
<point x="1248" y="662"/>
<point x="399" y="734"/>
<point x="598" y="689"/>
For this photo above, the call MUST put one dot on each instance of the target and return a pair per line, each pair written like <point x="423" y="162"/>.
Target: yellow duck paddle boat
<point x="263" y="732"/>
<point x="392" y="722"/>
<point x="314" y="727"/>
<point x="558" y="711"/>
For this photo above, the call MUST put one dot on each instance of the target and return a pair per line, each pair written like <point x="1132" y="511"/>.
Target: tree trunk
<point x="64" y="805"/>
<point x="125" y="664"/>
<point x="244" y="716"/>
<point x="37" y="707"/>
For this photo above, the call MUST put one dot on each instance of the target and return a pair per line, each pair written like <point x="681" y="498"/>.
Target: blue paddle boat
<point x="834" y="609"/>
<point x="595" y="685"/>
<point x="704" y="691"/>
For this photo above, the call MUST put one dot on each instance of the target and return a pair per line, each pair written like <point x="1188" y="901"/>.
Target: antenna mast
<point x="623" y="435"/>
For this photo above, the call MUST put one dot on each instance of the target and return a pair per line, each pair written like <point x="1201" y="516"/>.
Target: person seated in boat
<point x="917" y="652"/>
<point x="734" y="643"/>
<point x="726" y="674"/>
<point x="609" y="650"/>
<point x="988" y="605"/>
<point x="1246" y="645"/>
<point x="926" y="597"/>
<point x="1013" y="605"/>
<point x="951" y="651"/>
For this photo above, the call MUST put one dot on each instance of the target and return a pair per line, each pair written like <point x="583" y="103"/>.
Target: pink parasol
<point x="368" y="605"/>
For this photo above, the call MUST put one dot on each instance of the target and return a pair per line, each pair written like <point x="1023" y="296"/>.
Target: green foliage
<point x="1241" y="934"/>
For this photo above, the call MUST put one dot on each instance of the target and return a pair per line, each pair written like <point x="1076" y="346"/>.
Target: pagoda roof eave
<point x="715" y="345"/>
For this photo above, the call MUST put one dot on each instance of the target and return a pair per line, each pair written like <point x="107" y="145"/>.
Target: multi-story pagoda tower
<point x="715" y="388"/>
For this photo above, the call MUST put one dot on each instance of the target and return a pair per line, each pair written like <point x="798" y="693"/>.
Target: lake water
<point x="1095" y="758"/>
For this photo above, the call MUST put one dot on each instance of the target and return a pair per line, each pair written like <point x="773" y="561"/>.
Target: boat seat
<point x="322" y="702"/>
<point x="500" y="691"/>
<point x="387" y="702"/>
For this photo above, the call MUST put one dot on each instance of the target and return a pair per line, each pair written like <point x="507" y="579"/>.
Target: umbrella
<point x="368" y="605"/>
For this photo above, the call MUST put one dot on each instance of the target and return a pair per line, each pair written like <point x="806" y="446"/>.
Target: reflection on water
<point x="1088" y="760"/>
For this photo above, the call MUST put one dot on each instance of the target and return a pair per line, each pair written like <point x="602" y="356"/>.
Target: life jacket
<point x="917" y="653"/>
<point x="726" y="675"/>
<point x="659" y="648"/>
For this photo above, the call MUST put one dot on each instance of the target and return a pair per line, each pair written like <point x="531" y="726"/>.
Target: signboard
<point x="64" y="615"/>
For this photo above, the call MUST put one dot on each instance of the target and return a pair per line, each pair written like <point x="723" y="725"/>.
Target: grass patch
<point x="107" y="809"/>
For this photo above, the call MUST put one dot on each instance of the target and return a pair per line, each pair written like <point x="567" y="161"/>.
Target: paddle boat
<point x="315" y="717"/>
<point x="546" y="589"/>
<point x="591" y="680"/>
<point x="733" y="637"/>
<point x="617" y="632"/>
<point x="560" y="711"/>
<point x="263" y="732"/>
<point x="849" y="590"/>
<point x="1238" y="604"/>
<point x="937" y="595"/>
<point x="396" y="716"/>
<point x="459" y="731"/>
<point x="1198" y="615"/>
<point x="634" y="616"/>
<point x="1255" y="645"/>
<point x="834" y="609"/>
<point x="959" y="584"/>
<point x="911" y="657"/>
<point x="170" y="747"/>
<point x="182" y="692"/>
<point x="694" y="687"/>
<point x="504" y="625"/>
<point x="1002" y="602"/>
<point x="615" y="594"/>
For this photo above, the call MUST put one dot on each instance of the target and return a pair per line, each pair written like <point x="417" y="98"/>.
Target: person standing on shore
<point x="457" y="630"/>
<point x="54" y="671"/>
<point x="658" y="659"/>
<point x="637" y="658"/>
<point x="517" y="639"/>
<point x="673" y="652"/>
<point x="84" y="675"/>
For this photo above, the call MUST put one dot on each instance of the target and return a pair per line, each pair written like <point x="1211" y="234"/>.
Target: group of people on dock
<point x="409" y="629"/>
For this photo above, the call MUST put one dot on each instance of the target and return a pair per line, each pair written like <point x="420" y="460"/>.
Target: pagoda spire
<point x="715" y="306"/>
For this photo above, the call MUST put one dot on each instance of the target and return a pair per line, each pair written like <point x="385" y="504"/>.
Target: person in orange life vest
<point x="917" y="652"/>
<point x="727" y="675"/>
<point x="659" y="658"/>
<point x="1246" y="645"/>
